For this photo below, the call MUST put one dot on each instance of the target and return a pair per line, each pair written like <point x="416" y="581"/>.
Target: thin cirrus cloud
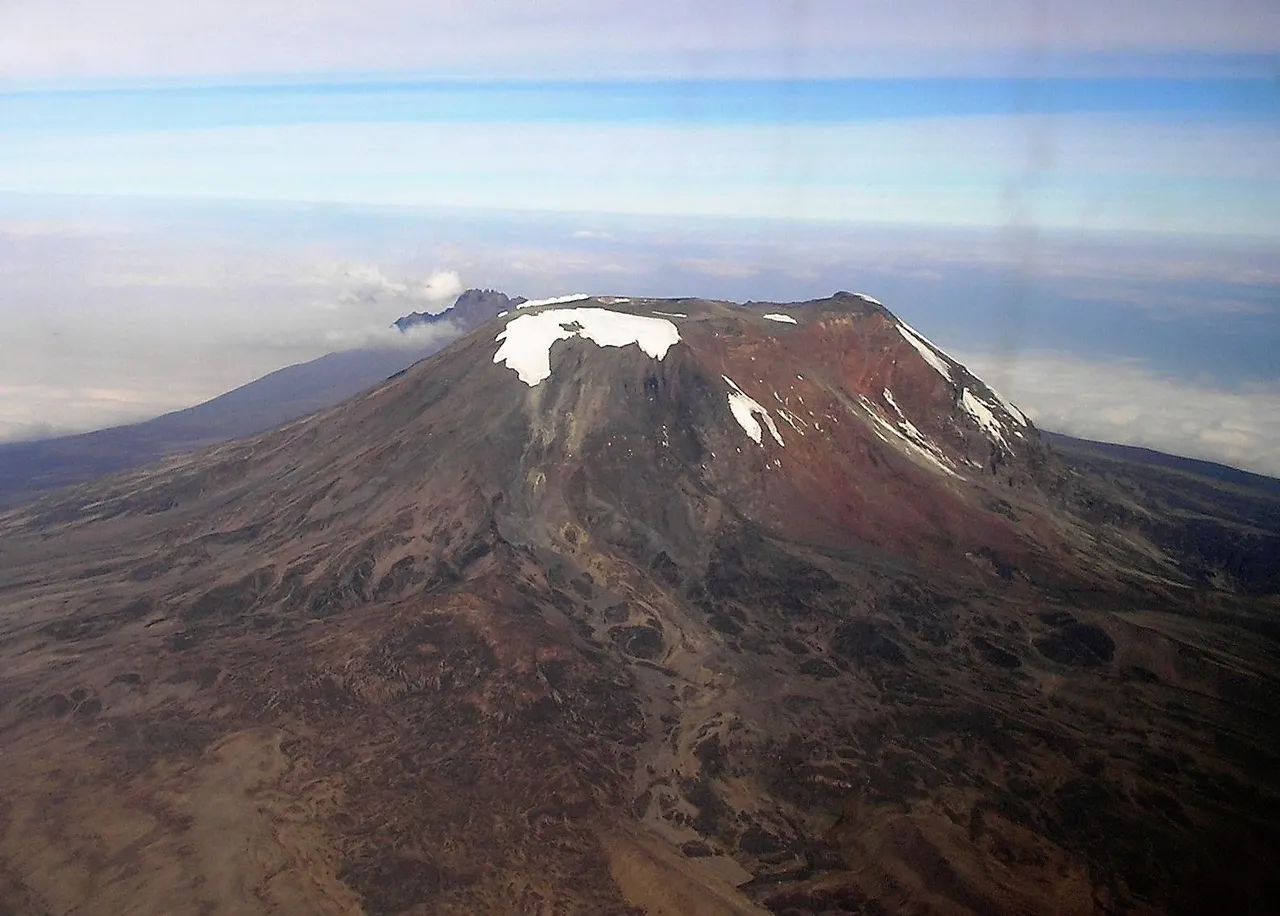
<point x="75" y="39"/>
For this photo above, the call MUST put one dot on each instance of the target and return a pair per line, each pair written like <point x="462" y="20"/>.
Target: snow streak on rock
<point x="983" y="416"/>
<point x="928" y="351"/>
<point x="1014" y="413"/>
<point x="527" y="339"/>
<point x="784" y="319"/>
<point x="916" y="441"/>
<point x="745" y="410"/>
<point x="911" y="447"/>
<point x="982" y="412"/>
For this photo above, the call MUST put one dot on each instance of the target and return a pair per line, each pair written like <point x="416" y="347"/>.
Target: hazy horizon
<point x="1081" y="203"/>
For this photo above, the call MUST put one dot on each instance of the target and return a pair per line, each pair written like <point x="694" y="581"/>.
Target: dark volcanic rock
<point x="636" y="638"/>
<point x="1077" y="644"/>
<point x="470" y="310"/>
<point x="641" y="642"/>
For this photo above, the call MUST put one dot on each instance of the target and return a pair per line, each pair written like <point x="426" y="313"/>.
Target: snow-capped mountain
<point x="623" y="605"/>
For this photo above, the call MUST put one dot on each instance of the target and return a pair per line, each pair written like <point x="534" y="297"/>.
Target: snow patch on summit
<point x="527" y="339"/>
<point x="745" y="409"/>
<point x="554" y="300"/>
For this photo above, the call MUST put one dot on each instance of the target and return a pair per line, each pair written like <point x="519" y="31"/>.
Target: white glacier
<point x="527" y="339"/>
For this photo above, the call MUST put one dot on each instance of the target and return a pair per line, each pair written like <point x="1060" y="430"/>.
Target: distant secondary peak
<point x="471" y="309"/>
<point x="526" y="340"/>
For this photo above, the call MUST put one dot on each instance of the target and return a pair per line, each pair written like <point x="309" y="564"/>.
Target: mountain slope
<point x="1222" y="524"/>
<point x="677" y="606"/>
<point x="28" y="469"/>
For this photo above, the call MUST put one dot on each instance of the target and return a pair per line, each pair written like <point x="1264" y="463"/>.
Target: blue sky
<point x="1151" y="155"/>
<point x="1060" y="191"/>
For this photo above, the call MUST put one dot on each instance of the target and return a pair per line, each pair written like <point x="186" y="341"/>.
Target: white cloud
<point x="443" y="286"/>
<point x="368" y="284"/>
<point x="37" y="411"/>
<point x="1125" y="401"/>
<point x="382" y="336"/>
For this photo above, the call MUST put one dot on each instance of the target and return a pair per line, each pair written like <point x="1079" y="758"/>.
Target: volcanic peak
<point x="847" y="332"/>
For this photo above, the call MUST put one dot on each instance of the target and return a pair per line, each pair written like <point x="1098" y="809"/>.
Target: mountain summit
<point x="621" y="605"/>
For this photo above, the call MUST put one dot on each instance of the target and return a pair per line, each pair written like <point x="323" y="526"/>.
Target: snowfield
<point x="527" y="339"/>
<point x="554" y="300"/>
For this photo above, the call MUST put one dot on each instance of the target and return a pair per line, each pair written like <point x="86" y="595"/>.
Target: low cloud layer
<point x="1125" y="401"/>
<point x="107" y="325"/>
<point x="369" y="286"/>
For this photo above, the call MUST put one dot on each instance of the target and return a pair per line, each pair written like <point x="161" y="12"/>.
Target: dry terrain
<point x="465" y="644"/>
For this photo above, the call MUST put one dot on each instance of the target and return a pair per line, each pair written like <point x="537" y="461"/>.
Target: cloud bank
<point x="101" y="326"/>
<point x="1125" y="401"/>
